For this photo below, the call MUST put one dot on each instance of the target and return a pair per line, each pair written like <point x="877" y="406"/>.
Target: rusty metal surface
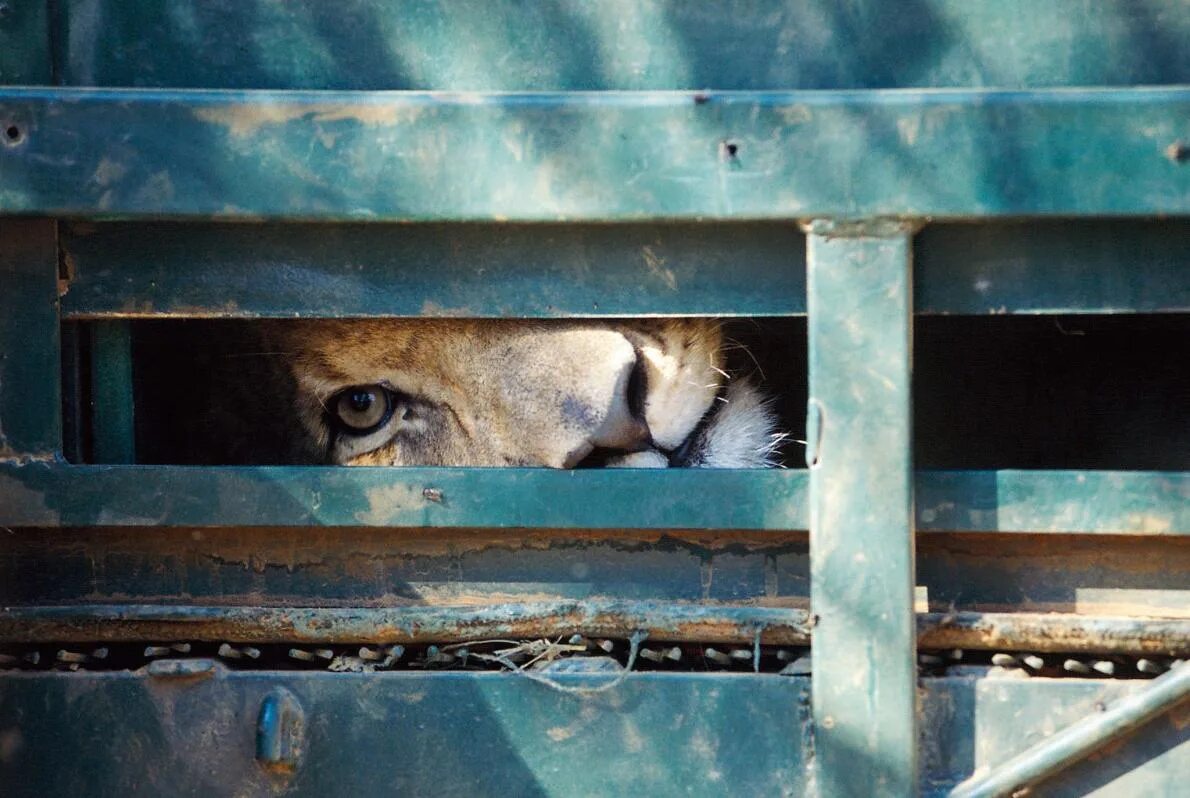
<point x="1081" y="739"/>
<point x="161" y="731"/>
<point x="1112" y="575"/>
<point x="663" y="621"/>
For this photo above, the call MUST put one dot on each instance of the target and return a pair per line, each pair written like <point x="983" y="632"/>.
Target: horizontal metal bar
<point x="65" y="495"/>
<point x="55" y="495"/>
<point x="1042" y="267"/>
<point x="411" y="625"/>
<point x="504" y="270"/>
<point x="1083" y="738"/>
<point x="594" y="156"/>
<point x="1053" y="633"/>
<point x="212" y="270"/>
<point x="705" y="623"/>
<point x="647" y="44"/>
<point x="1111" y="502"/>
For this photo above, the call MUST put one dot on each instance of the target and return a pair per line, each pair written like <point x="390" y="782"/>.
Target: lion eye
<point x="362" y="409"/>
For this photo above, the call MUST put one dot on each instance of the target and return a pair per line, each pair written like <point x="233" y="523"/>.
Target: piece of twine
<point x="634" y="642"/>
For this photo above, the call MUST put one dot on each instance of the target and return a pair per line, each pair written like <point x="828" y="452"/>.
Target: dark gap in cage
<point x="1029" y="392"/>
<point x="1052" y="392"/>
<point x="214" y="392"/>
<point x="543" y="658"/>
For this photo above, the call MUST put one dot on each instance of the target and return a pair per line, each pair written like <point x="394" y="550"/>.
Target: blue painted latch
<point x="280" y="731"/>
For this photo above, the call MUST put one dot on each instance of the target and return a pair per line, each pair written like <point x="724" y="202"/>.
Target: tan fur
<point x="498" y="393"/>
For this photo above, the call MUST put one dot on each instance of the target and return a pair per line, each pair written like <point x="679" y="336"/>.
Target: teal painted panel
<point x="25" y="58"/>
<point x="511" y="270"/>
<point x="480" y="734"/>
<point x="594" y="157"/>
<point x="448" y="734"/>
<point x="487" y="45"/>
<point x="505" y="270"/>
<point x="859" y="453"/>
<point x="1068" y="266"/>
<point x="1107" y="502"/>
<point x="971" y="724"/>
<point x="44" y="495"/>
<point x="30" y="398"/>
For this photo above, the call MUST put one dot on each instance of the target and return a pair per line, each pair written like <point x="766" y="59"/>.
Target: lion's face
<point x="509" y="393"/>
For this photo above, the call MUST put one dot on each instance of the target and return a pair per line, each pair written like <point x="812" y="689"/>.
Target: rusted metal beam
<point x="1053" y="632"/>
<point x="695" y="623"/>
<point x="1078" y="741"/>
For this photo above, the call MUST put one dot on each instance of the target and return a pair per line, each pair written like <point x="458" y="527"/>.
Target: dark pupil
<point x="361" y="400"/>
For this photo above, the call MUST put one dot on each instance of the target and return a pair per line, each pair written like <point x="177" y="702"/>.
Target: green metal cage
<point x="855" y="164"/>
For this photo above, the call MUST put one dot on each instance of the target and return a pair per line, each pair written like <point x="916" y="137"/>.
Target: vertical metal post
<point x="859" y="306"/>
<point x="30" y="374"/>
<point x="112" y="424"/>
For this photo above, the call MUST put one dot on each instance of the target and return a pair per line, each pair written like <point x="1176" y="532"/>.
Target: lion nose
<point x="624" y="428"/>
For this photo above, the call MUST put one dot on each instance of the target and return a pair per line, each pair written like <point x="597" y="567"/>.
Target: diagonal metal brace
<point x="1077" y="741"/>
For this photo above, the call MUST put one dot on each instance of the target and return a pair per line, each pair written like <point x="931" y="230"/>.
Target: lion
<point x="645" y="393"/>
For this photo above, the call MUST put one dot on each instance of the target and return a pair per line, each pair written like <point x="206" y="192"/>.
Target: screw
<point x="1150" y="666"/>
<point x="716" y="656"/>
<point x="394" y="654"/>
<point x="1004" y="660"/>
<point x="651" y="655"/>
<point x="229" y="652"/>
<point x="1033" y="661"/>
<point x="1178" y="152"/>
